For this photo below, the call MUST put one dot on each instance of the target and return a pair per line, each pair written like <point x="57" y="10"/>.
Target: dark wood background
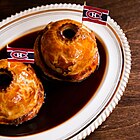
<point x="124" y="122"/>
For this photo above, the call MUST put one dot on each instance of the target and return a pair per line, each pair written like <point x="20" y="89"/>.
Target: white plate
<point x="115" y="78"/>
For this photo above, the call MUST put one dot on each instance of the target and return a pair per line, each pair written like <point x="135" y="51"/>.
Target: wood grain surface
<point x="124" y="122"/>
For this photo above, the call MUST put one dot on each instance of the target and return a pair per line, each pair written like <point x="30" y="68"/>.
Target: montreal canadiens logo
<point x="19" y="54"/>
<point x="93" y="14"/>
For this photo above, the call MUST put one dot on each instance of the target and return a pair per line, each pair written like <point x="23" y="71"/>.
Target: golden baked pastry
<point x="21" y="93"/>
<point x="66" y="50"/>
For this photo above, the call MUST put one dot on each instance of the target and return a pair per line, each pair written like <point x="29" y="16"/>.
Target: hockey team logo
<point x="19" y="54"/>
<point x="93" y="14"/>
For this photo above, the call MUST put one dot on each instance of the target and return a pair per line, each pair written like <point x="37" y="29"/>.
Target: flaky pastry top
<point x="69" y="49"/>
<point x="22" y="99"/>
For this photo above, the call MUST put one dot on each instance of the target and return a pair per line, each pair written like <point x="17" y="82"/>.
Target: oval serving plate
<point x="112" y="85"/>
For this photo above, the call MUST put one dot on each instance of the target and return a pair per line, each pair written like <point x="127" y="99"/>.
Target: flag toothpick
<point x="93" y="14"/>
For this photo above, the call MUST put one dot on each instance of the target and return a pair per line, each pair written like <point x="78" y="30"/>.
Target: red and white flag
<point x="24" y="55"/>
<point x="96" y="15"/>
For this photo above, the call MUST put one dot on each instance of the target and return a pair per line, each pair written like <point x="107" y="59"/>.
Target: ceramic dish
<point x="99" y="102"/>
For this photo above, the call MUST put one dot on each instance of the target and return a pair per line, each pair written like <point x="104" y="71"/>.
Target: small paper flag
<point x="96" y="15"/>
<point x="20" y="55"/>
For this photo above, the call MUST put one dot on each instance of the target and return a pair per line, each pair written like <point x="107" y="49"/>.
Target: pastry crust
<point x="24" y="96"/>
<point x="66" y="50"/>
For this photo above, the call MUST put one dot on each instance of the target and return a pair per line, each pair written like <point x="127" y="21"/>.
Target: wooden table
<point x="124" y="122"/>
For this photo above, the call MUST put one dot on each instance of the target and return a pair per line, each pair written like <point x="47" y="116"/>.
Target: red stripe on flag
<point x="21" y="60"/>
<point x="20" y="49"/>
<point x="97" y="9"/>
<point x="94" y="21"/>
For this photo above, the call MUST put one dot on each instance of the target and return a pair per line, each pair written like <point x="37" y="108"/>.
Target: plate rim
<point x="124" y="77"/>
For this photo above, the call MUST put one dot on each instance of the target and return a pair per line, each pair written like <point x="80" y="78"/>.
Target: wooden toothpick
<point x="83" y="9"/>
<point x="85" y="3"/>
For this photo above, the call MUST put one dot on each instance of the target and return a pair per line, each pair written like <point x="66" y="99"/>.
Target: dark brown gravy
<point x="63" y="100"/>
